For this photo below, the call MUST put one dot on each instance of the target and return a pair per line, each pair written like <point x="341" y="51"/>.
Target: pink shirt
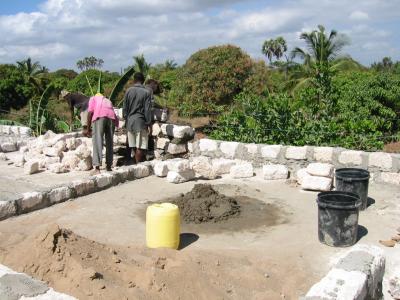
<point x="101" y="107"/>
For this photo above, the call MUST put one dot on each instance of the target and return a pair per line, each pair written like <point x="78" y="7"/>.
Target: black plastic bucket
<point x="355" y="181"/>
<point x="338" y="218"/>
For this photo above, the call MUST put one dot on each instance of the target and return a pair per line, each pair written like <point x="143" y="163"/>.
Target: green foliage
<point x="80" y="84"/>
<point x="210" y="78"/>
<point x="89" y="63"/>
<point x="362" y="113"/>
<point x="274" y="48"/>
<point x="119" y="85"/>
<point x="15" y="91"/>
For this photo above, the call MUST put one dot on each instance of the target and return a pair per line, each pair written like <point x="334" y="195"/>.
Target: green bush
<point x="210" y="78"/>
<point x="80" y="84"/>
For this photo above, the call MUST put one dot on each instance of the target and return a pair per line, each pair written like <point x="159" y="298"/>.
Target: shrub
<point x="211" y="77"/>
<point x="79" y="83"/>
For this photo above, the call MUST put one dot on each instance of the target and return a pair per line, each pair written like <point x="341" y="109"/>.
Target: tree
<point x="141" y="65"/>
<point x="323" y="49"/>
<point x="170" y="64"/>
<point x="32" y="72"/>
<point x="89" y="63"/>
<point x="274" y="48"/>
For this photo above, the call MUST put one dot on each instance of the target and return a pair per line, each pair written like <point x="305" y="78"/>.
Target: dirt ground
<point x="94" y="247"/>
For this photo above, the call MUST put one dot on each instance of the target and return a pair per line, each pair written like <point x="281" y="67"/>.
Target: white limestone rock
<point x="271" y="151"/>
<point x="315" y="183"/>
<point x="207" y="145"/>
<point x="252" y="149"/>
<point x="52" y="151"/>
<point x="83" y="151"/>
<point x="323" y="154"/>
<point x="85" y="164"/>
<point x="60" y="194"/>
<point x="222" y="165"/>
<point x="156" y="130"/>
<point x="296" y="153"/>
<point x="3" y="157"/>
<point x="180" y="132"/>
<point x="23" y="149"/>
<point x="162" y="143"/>
<point x="142" y="170"/>
<point x="301" y="174"/>
<point x="61" y="145"/>
<point x="391" y="178"/>
<point x="9" y="147"/>
<point x="275" y="172"/>
<point x="242" y="170"/>
<point x="83" y="187"/>
<point x="161" y="169"/>
<point x="180" y="177"/>
<point x="71" y="144"/>
<point x="176" y="148"/>
<point x="203" y="167"/>
<point x="70" y="160"/>
<point x="46" y="161"/>
<point x="18" y="160"/>
<point x="382" y="160"/>
<point x="103" y="180"/>
<point x="320" y="169"/>
<point x="25" y="131"/>
<point x="351" y="157"/>
<point x="178" y="164"/>
<point x="57" y="168"/>
<point x="31" y="201"/>
<point x="229" y="149"/>
<point x="7" y="209"/>
<point x="31" y="167"/>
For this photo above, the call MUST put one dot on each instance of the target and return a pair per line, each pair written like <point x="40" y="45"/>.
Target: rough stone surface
<point x="301" y="174"/>
<point x="350" y="157"/>
<point x="275" y="172"/>
<point x="71" y="144"/>
<point x="57" y="168"/>
<point x="83" y="151"/>
<point x="52" y="151"/>
<point x="70" y="160"/>
<point x="85" y="164"/>
<point x="103" y="180"/>
<point x="207" y="145"/>
<point x="252" y="149"/>
<point x="320" y="169"/>
<point x="156" y="130"/>
<point x="9" y="147"/>
<point x="180" y="177"/>
<point x="315" y="183"/>
<point x="222" y="165"/>
<point x="296" y="153"/>
<point x="394" y="286"/>
<point x="178" y="164"/>
<point x="18" y="285"/>
<point x="323" y="154"/>
<point x="31" y="201"/>
<point x="141" y="171"/>
<point x="202" y="166"/>
<point x="3" y="156"/>
<point x="7" y="209"/>
<point x="271" y="151"/>
<point x="242" y="170"/>
<point x="123" y="173"/>
<point x="380" y="160"/>
<point x="162" y="143"/>
<point x="339" y="285"/>
<point x="229" y="149"/>
<point x="19" y="160"/>
<point x="391" y="178"/>
<point x="83" y="187"/>
<point x="176" y="148"/>
<point x="60" y="194"/>
<point x="161" y="169"/>
<point x="31" y="167"/>
<point x="181" y="132"/>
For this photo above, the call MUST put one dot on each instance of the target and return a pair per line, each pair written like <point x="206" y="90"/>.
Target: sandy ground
<point x="104" y="255"/>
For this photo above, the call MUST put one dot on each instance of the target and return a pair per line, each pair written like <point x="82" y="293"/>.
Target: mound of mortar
<point x="203" y="204"/>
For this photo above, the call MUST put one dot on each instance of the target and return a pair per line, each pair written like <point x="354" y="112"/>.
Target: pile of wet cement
<point x="203" y="204"/>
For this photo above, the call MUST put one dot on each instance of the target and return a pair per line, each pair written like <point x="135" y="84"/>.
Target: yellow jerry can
<point x="162" y="226"/>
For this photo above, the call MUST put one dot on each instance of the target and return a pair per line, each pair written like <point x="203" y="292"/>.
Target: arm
<point x="88" y="130"/>
<point x="147" y="112"/>
<point x="125" y="106"/>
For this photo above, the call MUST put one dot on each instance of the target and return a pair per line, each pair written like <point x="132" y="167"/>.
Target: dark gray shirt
<point x="137" y="108"/>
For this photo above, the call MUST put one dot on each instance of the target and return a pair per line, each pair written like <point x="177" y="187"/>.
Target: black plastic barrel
<point x="355" y="181"/>
<point x="338" y="218"/>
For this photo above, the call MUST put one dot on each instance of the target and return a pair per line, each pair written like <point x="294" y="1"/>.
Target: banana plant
<point x="119" y="85"/>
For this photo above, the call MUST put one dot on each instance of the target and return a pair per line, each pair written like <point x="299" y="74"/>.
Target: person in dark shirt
<point x="137" y="114"/>
<point x="78" y="101"/>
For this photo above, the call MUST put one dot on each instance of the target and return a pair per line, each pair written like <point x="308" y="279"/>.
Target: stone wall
<point x="12" y="138"/>
<point x="384" y="167"/>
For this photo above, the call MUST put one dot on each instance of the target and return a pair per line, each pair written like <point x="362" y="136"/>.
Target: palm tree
<point x="274" y="48"/>
<point x="32" y="72"/>
<point x="319" y="58"/>
<point x="141" y="65"/>
<point x="170" y="64"/>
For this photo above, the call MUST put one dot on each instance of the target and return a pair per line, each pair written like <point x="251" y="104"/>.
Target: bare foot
<point x="388" y="243"/>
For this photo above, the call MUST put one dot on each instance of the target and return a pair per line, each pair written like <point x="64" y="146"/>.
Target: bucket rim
<point x="340" y="173"/>
<point x="339" y="205"/>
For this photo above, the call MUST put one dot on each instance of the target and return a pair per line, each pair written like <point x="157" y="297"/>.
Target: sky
<point x="58" y="33"/>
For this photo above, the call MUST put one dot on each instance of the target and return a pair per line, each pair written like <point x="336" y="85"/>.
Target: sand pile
<point x="203" y="204"/>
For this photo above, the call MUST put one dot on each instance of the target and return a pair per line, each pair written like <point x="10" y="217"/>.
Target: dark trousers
<point x="103" y="128"/>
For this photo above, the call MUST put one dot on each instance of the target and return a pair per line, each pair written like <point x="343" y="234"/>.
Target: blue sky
<point x="59" y="32"/>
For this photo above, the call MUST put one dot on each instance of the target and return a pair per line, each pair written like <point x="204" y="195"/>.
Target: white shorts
<point x="138" y="139"/>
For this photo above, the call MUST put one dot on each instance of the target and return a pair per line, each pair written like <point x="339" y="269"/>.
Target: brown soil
<point x="392" y="147"/>
<point x="204" y="210"/>
<point x="90" y="270"/>
<point x="204" y="204"/>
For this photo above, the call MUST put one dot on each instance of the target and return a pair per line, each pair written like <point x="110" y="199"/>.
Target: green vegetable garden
<point x="310" y="95"/>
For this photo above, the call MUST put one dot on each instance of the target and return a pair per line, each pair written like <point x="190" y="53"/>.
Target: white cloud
<point x="64" y="31"/>
<point x="358" y="16"/>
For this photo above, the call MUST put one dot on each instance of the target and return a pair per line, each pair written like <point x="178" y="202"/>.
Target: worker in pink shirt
<point x="102" y="118"/>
